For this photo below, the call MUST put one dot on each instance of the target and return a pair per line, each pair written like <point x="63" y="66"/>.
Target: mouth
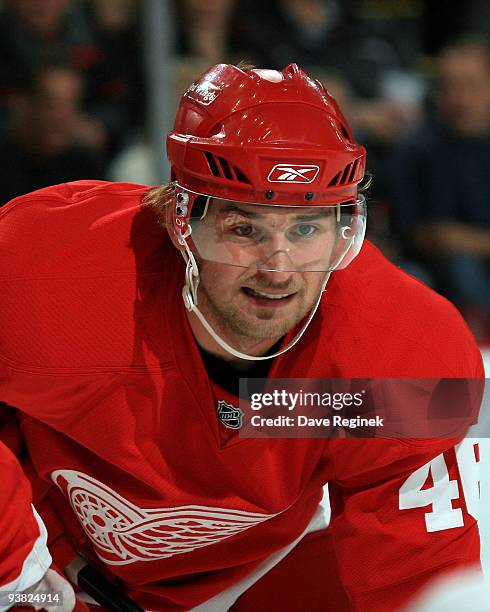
<point x="268" y="299"/>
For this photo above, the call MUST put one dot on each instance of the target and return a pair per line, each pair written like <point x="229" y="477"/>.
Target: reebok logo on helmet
<point x="293" y="173"/>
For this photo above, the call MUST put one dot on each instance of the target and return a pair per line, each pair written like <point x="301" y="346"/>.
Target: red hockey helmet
<point x="265" y="137"/>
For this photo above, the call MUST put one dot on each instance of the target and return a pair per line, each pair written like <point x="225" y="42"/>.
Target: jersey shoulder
<point x="83" y="268"/>
<point x="396" y="323"/>
<point x="64" y="228"/>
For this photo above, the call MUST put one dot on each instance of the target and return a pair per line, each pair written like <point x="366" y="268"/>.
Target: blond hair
<point x="157" y="198"/>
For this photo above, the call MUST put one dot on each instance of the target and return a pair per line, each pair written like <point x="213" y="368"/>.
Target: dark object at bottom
<point x="105" y="592"/>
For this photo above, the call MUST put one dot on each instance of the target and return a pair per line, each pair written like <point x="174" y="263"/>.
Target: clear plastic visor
<point x="276" y="238"/>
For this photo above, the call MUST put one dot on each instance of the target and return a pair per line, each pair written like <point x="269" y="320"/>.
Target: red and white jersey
<point x="130" y="463"/>
<point x="24" y="557"/>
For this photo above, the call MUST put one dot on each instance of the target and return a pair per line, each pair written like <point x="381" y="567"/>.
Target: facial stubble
<point x="229" y="317"/>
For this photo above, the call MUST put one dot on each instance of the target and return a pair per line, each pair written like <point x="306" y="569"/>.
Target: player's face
<point x="259" y="304"/>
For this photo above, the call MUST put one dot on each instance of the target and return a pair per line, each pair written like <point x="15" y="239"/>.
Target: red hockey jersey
<point x="130" y="464"/>
<point x="24" y="556"/>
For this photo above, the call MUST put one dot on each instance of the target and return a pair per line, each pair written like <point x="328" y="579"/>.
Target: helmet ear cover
<point x="350" y="234"/>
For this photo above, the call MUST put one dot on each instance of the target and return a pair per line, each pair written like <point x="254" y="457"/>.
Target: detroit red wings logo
<point x="123" y="533"/>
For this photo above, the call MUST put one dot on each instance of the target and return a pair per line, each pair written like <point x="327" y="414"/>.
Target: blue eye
<point x="306" y="230"/>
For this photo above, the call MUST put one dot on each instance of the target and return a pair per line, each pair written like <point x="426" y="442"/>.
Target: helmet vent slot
<point x="221" y="167"/>
<point x="353" y="171"/>
<point x="226" y="168"/>
<point x="346" y="175"/>
<point x="213" y="166"/>
<point x="240" y="176"/>
<point x="335" y="180"/>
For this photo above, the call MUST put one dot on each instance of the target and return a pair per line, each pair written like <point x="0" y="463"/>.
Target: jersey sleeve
<point x="24" y="556"/>
<point x="43" y="495"/>
<point x="403" y="512"/>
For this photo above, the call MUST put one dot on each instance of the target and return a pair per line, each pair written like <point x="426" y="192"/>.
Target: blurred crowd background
<point x="77" y="100"/>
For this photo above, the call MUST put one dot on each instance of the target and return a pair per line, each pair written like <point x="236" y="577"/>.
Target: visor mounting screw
<point x="181" y="206"/>
<point x="309" y="195"/>
<point x="182" y="198"/>
<point x="269" y="194"/>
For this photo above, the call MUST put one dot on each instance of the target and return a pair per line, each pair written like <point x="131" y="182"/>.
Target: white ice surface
<point x="485" y="475"/>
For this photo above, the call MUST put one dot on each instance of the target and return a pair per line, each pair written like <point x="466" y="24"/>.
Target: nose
<point x="278" y="259"/>
<point x="276" y="279"/>
<point x="276" y="263"/>
<point x="277" y="267"/>
<point x="276" y="253"/>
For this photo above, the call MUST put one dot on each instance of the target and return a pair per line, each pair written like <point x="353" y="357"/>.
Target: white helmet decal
<point x="293" y="173"/>
<point x="123" y="533"/>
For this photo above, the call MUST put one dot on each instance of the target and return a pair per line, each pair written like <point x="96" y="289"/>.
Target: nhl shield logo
<point x="230" y="416"/>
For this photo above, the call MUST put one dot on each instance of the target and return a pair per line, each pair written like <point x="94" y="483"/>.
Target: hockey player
<point x="122" y="339"/>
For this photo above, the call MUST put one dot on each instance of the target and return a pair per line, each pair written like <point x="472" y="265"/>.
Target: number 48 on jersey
<point x="418" y="492"/>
